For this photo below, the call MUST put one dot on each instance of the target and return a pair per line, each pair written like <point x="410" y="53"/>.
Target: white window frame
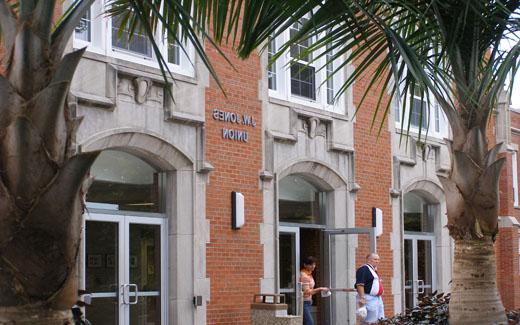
<point x="272" y="70"/>
<point x="282" y="74"/>
<point x="101" y="43"/>
<point x="514" y="174"/>
<point x="438" y="127"/>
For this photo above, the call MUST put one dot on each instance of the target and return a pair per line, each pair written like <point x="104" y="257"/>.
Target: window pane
<point x="419" y="113"/>
<point x="147" y="311"/>
<point x="437" y="118"/>
<point x="397" y="111"/>
<point x="300" y="201"/>
<point x="145" y="257"/>
<point x="301" y="46"/>
<point x="271" y="70"/>
<point x="137" y="42"/>
<point x="330" y="78"/>
<point x="408" y="273"/>
<point x="103" y="311"/>
<point x="124" y="182"/>
<point x="82" y="31"/>
<point x="418" y="214"/>
<point x="101" y="260"/>
<point x="174" y="49"/>
<point x="303" y="81"/>
<point x="287" y="244"/>
<point x="174" y="53"/>
<point x="424" y="262"/>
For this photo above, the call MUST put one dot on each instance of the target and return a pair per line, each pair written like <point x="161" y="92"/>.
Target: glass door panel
<point x="289" y="266"/>
<point x="145" y="273"/>
<point x="418" y="267"/>
<point x="147" y="311"/>
<point x="102" y="271"/>
<point x="408" y="273"/>
<point x="424" y="267"/>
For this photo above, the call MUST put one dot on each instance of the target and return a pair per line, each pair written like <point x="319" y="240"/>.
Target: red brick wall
<point x="508" y="277"/>
<point x="234" y="257"/>
<point x="506" y="187"/>
<point x="373" y="165"/>
<point x="508" y="268"/>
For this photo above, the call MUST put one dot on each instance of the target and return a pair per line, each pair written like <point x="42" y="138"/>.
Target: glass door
<point x="102" y="269"/>
<point x="289" y="262"/>
<point x="419" y="253"/>
<point x="124" y="262"/>
<point x="144" y="271"/>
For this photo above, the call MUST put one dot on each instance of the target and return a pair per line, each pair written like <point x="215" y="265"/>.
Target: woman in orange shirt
<point x="307" y="281"/>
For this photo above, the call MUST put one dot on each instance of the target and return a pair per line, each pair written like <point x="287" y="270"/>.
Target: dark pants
<point x="307" y="316"/>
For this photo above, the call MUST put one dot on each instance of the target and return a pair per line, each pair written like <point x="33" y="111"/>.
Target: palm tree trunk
<point x="472" y="204"/>
<point x="41" y="174"/>
<point x="475" y="298"/>
<point x="33" y="314"/>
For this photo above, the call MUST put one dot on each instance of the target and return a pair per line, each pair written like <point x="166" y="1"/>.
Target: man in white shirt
<point x="369" y="289"/>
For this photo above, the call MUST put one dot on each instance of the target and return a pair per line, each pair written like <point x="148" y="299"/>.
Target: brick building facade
<point x="233" y="256"/>
<point x="507" y="244"/>
<point x="159" y="246"/>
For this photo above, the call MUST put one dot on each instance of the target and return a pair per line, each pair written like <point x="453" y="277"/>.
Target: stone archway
<point x="183" y="194"/>
<point x="432" y="196"/>
<point x="335" y="255"/>
<point x="149" y="147"/>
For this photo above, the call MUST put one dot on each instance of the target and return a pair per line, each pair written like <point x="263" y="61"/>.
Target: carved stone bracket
<point x="142" y="87"/>
<point x="395" y="193"/>
<point x="205" y="167"/>
<point x="314" y="127"/>
<point x="354" y="187"/>
<point x="266" y="176"/>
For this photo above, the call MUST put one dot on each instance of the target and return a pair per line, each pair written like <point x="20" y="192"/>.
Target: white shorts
<point x="375" y="309"/>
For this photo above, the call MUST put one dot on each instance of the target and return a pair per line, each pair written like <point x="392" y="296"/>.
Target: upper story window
<point x="309" y="80"/>
<point x="331" y="92"/>
<point x="271" y="70"/>
<point x="136" y="42"/>
<point x="303" y="70"/>
<point x="419" y="116"/>
<point x="84" y="28"/>
<point x="429" y="119"/>
<point x="104" y="35"/>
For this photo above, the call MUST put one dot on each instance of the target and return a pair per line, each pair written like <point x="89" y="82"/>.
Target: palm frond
<point x="403" y="47"/>
<point x="65" y="26"/>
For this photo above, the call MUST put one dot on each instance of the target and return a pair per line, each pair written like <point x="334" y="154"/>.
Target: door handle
<point x="136" y="291"/>
<point x="125" y="294"/>
<point x="420" y="286"/>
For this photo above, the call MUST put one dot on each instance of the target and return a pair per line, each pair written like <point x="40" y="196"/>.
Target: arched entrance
<point x="310" y="198"/>
<point x="301" y="215"/>
<point x="419" y="246"/>
<point x="125" y="262"/>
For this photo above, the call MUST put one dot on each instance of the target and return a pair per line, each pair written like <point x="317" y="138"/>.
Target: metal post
<point x="373" y="242"/>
